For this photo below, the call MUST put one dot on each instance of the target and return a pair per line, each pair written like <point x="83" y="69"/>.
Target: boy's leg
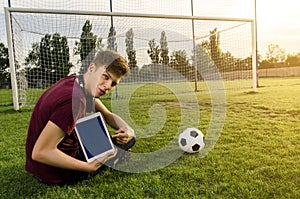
<point x="123" y="154"/>
<point x="126" y="146"/>
<point x="81" y="175"/>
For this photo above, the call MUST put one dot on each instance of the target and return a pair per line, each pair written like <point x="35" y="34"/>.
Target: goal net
<point x="161" y="49"/>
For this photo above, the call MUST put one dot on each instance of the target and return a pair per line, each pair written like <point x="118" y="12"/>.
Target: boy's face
<point x="100" y="81"/>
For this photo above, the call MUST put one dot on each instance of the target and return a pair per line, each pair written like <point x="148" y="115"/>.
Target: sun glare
<point x="270" y="14"/>
<point x="244" y="9"/>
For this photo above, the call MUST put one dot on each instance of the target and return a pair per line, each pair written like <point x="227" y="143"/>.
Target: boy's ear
<point x="92" y="67"/>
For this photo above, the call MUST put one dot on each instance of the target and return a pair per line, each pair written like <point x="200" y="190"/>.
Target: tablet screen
<point x="93" y="136"/>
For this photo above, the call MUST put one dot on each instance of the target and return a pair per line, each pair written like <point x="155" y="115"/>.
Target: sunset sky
<point x="277" y="20"/>
<point x="278" y="23"/>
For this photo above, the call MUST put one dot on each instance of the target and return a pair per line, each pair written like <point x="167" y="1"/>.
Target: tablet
<point x="93" y="137"/>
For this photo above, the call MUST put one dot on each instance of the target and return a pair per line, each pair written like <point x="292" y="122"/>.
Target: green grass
<point x="256" y="156"/>
<point x="6" y="97"/>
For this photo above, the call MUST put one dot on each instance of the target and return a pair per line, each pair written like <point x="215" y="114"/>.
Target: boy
<point x="53" y="152"/>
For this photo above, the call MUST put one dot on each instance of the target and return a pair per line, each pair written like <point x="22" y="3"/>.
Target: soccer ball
<point x="191" y="140"/>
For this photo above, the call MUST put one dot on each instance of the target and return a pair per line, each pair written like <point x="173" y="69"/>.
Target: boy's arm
<point x="124" y="132"/>
<point x="45" y="151"/>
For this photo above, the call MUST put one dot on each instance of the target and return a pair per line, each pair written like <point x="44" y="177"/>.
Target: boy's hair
<point x="111" y="60"/>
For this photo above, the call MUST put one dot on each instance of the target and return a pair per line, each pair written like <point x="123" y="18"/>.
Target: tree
<point x="33" y="69"/>
<point x="293" y="59"/>
<point x="153" y="51"/>
<point x="60" y="57"/>
<point x="215" y="50"/>
<point x="49" y="60"/>
<point x="32" y="59"/>
<point x="131" y="53"/>
<point x="205" y="44"/>
<point x="179" y="61"/>
<point x="275" y="54"/>
<point x="87" y="45"/>
<point x="111" y="40"/>
<point x="4" y="64"/>
<point x="87" y="42"/>
<point x="99" y="44"/>
<point x="224" y="61"/>
<point x="212" y="48"/>
<point x="164" y="51"/>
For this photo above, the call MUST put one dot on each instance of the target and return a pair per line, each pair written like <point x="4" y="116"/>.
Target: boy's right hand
<point x="96" y="164"/>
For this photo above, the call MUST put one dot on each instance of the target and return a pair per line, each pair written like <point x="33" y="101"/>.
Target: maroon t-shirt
<point x="63" y="103"/>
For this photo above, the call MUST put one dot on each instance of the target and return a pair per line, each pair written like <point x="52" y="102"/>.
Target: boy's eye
<point x="113" y="84"/>
<point x="106" y="77"/>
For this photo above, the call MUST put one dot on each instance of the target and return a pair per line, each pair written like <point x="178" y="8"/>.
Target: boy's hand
<point x="96" y="164"/>
<point x="122" y="136"/>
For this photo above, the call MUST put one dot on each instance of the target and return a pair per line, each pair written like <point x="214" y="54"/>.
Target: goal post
<point x="184" y="35"/>
<point x="11" y="60"/>
<point x="254" y="55"/>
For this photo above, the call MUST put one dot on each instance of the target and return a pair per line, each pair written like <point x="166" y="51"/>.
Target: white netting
<point x="230" y="51"/>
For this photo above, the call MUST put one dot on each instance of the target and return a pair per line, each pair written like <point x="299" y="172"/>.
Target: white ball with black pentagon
<point x="191" y="140"/>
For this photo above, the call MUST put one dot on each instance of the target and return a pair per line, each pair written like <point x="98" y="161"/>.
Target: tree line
<point x="278" y="57"/>
<point x="49" y="59"/>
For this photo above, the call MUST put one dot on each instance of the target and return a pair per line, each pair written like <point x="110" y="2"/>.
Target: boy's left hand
<point x="122" y="136"/>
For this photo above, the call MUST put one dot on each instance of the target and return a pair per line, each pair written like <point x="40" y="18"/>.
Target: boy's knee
<point x="126" y="146"/>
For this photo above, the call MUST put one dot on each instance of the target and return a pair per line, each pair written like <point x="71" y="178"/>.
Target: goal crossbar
<point x="120" y="14"/>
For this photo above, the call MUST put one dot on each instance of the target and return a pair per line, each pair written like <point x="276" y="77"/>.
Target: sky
<point x="278" y="23"/>
<point x="277" y="20"/>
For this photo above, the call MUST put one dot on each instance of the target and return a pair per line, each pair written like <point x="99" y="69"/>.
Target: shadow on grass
<point x="16" y="183"/>
<point x="10" y="110"/>
<point x="251" y="93"/>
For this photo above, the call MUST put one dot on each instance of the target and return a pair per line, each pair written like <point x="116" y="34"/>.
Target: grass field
<point x="256" y="156"/>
